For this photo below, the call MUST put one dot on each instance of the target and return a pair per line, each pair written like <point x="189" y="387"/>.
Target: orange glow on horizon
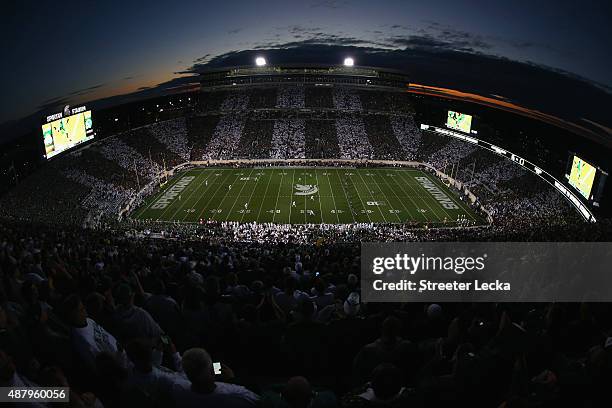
<point x="503" y="105"/>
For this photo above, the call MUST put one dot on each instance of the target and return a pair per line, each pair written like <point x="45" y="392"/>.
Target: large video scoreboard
<point x="582" y="175"/>
<point x="67" y="129"/>
<point x="586" y="178"/>
<point x="459" y="121"/>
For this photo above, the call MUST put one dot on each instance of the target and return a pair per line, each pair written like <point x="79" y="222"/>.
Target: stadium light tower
<point x="260" y="61"/>
<point x="349" y="62"/>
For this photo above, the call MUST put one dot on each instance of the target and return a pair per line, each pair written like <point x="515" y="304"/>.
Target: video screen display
<point x="582" y="176"/>
<point x="65" y="133"/>
<point x="459" y="121"/>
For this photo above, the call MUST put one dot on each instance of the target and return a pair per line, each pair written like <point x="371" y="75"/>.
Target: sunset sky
<point x="77" y="51"/>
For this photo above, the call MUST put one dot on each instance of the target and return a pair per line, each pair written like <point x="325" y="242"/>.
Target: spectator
<point x="385" y="390"/>
<point x="133" y="321"/>
<point x="388" y="348"/>
<point x="154" y="382"/>
<point x="90" y="338"/>
<point x="298" y="393"/>
<point x="203" y="390"/>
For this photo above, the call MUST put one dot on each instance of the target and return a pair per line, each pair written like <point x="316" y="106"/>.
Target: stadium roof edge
<point x="304" y="66"/>
<point x="315" y="74"/>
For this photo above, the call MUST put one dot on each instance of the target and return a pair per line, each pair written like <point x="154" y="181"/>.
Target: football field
<point x="287" y="195"/>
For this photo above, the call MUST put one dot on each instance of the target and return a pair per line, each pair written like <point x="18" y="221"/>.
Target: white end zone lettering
<point x="170" y="194"/>
<point x="441" y="197"/>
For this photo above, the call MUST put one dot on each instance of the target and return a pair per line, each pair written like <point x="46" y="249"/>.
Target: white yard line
<point x="277" y="196"/>
<point x="319" y="197"/>
<point x="265" y="195"/>
<point x="383" y="193"/>
<point x="373" y="198"/>
<point x="408" y="196"/>
<point x="291" y="196"/>
<point x="396" y="196"/>
<point x="238" y="196"/>
<point x="348" y="200"/>
<point x="331" y="189"/>
<point x="305" y="202"/>
<point x="203" y="210"/>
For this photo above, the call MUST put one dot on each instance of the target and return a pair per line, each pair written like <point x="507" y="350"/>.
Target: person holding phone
<point x="204" y="390"/>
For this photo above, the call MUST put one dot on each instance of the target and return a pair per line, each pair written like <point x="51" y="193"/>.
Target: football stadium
<point x="403" y="217"/>
<point x="337" y="152"/>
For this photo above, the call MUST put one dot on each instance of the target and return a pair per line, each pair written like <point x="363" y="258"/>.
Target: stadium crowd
<point x="345" y="99"/>
<point x="352" y="139"/>
<point x="408" y="135"/>
<point x="173" y="134"/>
<point x="288" y="140"/>
<point x="235" y="101"/>
<point x="138" y="313"/>
<point x="226" y="138"/>
<point x="452" y="153"/>
<point x="291" y="98"/>
<point x="139" y="322"/>
<point x="129" y="159"/>
<point x="103" y="198"/>
<point x="98" y="181"/>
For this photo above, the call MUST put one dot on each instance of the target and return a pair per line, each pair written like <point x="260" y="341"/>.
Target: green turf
<point x="336" y="196"/>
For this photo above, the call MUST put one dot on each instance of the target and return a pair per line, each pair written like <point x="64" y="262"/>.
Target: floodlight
<point x="349" y="62"/>
<point x="260" y="61"/>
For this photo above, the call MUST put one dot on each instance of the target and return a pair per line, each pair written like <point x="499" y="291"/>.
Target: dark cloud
<point x="56" y="102"/>
<point x="433" y="34"/>
<point x="314" y="35"/>
<point x="53" y="104"/>
<point x="174" y="85"/>
<point x="297" y="29"/>
<point x="463" y="39"/>
<point x="203" y="58"/>
<point x="53" y="100"/>
<point x="316" y="39"/>
<point x="448" y="42"/>
<point x="234" y="31"/>
<point x="300" y="29"/>
<point x="468" y="40"/>
<point x="415" y="41"/>
<point x="524" y="44"/>
<point x="85" y="91"/>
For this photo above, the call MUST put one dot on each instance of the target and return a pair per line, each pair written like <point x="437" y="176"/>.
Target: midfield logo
<point x="306" y="189"/>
